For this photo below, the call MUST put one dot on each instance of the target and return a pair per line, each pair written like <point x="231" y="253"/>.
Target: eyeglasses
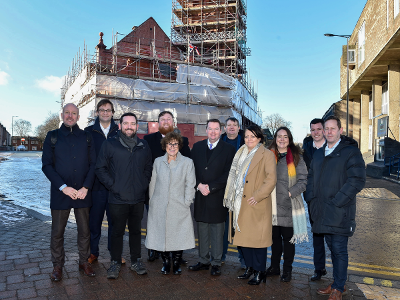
<point x="174" y="145"/>
<point x="105" y="111"/>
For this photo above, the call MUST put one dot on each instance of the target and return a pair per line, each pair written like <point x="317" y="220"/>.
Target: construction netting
<point x="198" y="95"/>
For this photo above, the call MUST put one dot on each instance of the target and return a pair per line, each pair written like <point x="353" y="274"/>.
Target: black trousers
<point x="255" y="258"/>
<point x="120" y="214"/>
<point x="280" y="243"/>
<point x="59" y="219"/>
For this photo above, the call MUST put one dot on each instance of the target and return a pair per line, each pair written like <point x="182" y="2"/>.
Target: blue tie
<point x="210" y="146"/>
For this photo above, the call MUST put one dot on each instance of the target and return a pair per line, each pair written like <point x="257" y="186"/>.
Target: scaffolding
<point x="214" y="32"/>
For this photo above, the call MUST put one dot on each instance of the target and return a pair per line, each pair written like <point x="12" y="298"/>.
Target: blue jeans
<point x="96" y="215"/>
<point x="340" y="259"/>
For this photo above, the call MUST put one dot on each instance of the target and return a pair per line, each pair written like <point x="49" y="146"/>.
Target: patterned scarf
<point x="298" y="213"/>
<point x="234" y="186"/>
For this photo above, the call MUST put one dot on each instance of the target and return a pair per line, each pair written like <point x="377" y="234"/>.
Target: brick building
<point x="30" y="143"/>
<point x="374" y="77"/>
<point x="145" y="72"/>
<point x="5" y="138"/>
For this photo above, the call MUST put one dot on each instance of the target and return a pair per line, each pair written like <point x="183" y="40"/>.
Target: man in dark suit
<point x="68" y="161"/>
<point x="212" y="160"/>
<point x="103" y="128"/>
<point x="165" y="125"/>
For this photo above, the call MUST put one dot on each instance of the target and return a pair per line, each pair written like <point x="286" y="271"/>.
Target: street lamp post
<point x="347" y="90"/>
<point x="12" y="130"/>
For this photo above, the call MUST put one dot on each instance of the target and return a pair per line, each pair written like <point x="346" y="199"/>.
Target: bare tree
<point x="22" y="127"/>
<point x="274" y="121"/>
<point x="52" y="122"/>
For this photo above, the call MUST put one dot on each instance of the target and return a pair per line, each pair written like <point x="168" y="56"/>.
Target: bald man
<point x="68" y="161"/>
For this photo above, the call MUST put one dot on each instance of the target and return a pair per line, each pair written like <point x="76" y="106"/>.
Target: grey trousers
<point x="58" y="224"/>
<point x="211" y="234"/>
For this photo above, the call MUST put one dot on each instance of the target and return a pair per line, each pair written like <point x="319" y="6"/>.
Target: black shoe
<point x="153" y="255"/>
<point x="166" y="263"/>
<point x="272" y="271"/>
<point x="215" y="270"/>
<point x="286" y="276"/>
<point x="247" y="273"/>
<point x="258" y="277"/>
<point x="318" y="274"/>
<point x="176" y="262"/>
<point x="184" y="261"/>
<point x="199" y="266"/>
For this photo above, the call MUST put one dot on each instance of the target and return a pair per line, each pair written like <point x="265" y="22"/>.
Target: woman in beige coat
<point x="251" y="180"/>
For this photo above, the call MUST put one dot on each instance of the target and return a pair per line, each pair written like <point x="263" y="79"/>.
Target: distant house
<point x="30" y="143"/>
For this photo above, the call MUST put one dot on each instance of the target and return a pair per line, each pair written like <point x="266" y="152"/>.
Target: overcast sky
<point x="295" y="67"/>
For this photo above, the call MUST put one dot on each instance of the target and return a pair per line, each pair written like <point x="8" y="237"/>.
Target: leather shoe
<point x="271" y="271"/>
<point x="328" y="290"/>
<point x="199" y="266"/>
<point x="92" y="258"/>
<point x="56" y="275"/>
<point x="87" y="269"/>
<point x="184" y="261"/>
<point x="286" y="276"/>
<point x="318" y="274"/>
<point x="215" y="270"/>
<point x="153" y="255"/>
<point x="335" y="295"/>
<point x="249" y="271"/>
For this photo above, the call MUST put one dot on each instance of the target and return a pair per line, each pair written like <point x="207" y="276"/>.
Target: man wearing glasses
<point x="165" y="125"/>
<point x="124" y="166"/>
<point x="103" y="128"/>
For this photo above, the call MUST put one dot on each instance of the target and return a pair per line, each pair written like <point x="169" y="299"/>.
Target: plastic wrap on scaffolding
<point x="197" y="114"/>
<point x="80" y="88"/>
<point x="204" y="76"/>
<point x="178" y="93"/>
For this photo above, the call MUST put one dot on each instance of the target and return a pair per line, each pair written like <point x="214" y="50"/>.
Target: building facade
<point x="5" y="138"/>
<point x="374" y="77"/>
<point x="30" y="143"/>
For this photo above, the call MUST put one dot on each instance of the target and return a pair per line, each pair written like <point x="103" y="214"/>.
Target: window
<point x="370" y="108"/>
<point x="34" y="148"/>
<point x="26" y="142"/>
<point x="14" y="141"/>
<point x="385" y="99"/>
<point x="396" y="7"/>
<point x="361" y="44"/>
<point x="370" y="137"/>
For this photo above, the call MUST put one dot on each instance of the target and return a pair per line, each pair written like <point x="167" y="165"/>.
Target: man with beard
<point x="124" y="166"/>
<point x="165" y="125"/>
<point x="68" y="161"/>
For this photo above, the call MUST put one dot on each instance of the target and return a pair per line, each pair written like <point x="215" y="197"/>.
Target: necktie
<point x="210" y="146"/>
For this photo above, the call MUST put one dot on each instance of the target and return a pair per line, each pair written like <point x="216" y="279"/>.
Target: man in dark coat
<point x="68" y="161"/>
<point x="235" y="136"/>
<point x="212" y="160"/>
<point x="165" y="125"/>
<point x="337" y="174"/>
<point x="124" y="166"/>
<point x="311" y="144"/>
<point x="103" y="128"/>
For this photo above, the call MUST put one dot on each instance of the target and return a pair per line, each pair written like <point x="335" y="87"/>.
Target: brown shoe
<point x="57" y="274"/>
<point x="123" y="261"/>
<point x="92" y="258"/>
<point x="328" y="290"/>
<point x="335" y="295"/>
<point x="87" y="269"/>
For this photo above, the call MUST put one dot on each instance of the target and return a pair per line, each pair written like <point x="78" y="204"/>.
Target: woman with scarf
<point x="288" y="214"/>
<point x="252" y="178"/>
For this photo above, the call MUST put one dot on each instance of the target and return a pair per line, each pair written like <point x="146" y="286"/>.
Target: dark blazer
<point x="74" y="164"/>
<point x="154" y="141"/>
<point x="210" y="209"/>
<point x="99" y="138"/>
<point x="332" y="185"/>
<point x="125" y="172"/>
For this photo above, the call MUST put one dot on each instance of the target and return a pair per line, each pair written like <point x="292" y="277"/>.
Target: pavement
<point x="25" y="267"/>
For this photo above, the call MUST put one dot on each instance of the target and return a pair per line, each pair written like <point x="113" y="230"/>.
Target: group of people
<point x="243" y="193"/>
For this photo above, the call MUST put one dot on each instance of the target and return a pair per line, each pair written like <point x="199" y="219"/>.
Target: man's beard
<point x="164" y="131"/>
<point x="129" y="133"/>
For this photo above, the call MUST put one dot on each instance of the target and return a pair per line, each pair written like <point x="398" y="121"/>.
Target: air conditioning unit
<point x="352" y="56"/>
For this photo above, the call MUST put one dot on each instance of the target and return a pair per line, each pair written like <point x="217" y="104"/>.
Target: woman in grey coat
<point x="169" y="222"/>
<point x="289" y="225"/>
